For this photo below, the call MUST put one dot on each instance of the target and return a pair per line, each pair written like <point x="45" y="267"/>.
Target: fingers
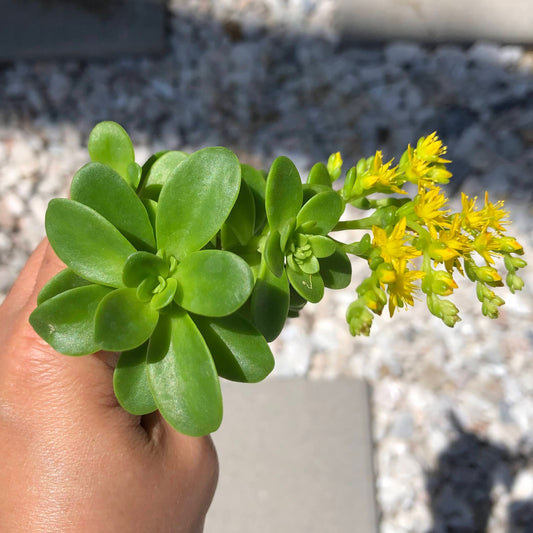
<point x="29" y="367"/>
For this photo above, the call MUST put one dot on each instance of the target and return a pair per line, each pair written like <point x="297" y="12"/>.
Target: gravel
<point x="452" y="409"/>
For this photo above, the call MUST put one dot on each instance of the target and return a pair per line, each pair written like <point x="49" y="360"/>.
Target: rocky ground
<point x="453" y="409"/>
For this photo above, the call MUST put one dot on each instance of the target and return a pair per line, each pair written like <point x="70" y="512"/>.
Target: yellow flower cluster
<point x="419" y="245"/>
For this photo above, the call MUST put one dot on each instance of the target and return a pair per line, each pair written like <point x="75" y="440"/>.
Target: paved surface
<point x="295" y="457"/>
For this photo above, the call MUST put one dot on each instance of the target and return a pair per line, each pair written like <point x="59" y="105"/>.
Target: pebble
<point x="243" y="82"/>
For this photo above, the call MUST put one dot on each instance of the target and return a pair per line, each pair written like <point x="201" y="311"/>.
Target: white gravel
<point x="453" y="409"/>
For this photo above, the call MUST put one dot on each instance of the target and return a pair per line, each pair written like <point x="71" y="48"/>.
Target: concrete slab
<point x="426" y="20"/>
<point x="41" y="29"/>
<point x="295" y="457"/>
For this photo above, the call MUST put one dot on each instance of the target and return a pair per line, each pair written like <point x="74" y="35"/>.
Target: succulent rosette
<point x="158" y="291"/>
<point x="189" y="265"/>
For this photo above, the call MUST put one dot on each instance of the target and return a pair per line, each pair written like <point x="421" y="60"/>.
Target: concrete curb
<point x="430" y="21"/>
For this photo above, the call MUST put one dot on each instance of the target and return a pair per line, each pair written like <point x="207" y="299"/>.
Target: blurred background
<point x="452" y="410"/>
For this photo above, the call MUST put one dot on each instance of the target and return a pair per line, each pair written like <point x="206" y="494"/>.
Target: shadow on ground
<point x="460" y="488"/>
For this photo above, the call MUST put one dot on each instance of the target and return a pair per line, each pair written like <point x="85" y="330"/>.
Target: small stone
<point x="59" y="87"/>
<point x="403" y="54"/>
<point x="484" y="52"/>
<point x="293" y="352"/>
<point x="403" y="426"/>
<point x="523" y="486"/>
<point x="14" y="204"/>
<point x="38" y="207"/>
<point x="163" y="89"/>
<point x="510" y="55"/>
<point x="5" y="242"/>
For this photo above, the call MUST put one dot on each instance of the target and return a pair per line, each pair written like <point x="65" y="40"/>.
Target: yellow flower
<point x="494" y="214"/>
<point x="453" y="238"/>
<point x="491" y="215"/>
<point x="381" y="174"/>
<point x="472" y="219"/>
<point x="486" y="244"/>
<point x="392" y="247"/>
<point x="424" y="165"/>
<point x="430" y="149"/>
<point x="429" y="207"/>
<point x="402" y="290"/>
<point x="415" y="168"/>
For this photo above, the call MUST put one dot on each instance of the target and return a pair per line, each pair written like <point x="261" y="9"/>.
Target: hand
<point x="71" y="459"/>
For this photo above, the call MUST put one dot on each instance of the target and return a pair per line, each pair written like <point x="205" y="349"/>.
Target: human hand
<point x="71" y="459"/>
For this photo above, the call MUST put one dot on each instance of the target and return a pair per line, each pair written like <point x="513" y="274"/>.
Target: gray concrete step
<point x="295" y="457"/>
<point x="37" y="29"/>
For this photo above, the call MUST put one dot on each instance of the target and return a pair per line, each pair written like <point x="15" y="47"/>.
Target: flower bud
<point x="438" y="251"/>
<point x="334" y="166"/>
<point x="359" y="318"/>
<point x="514" y="282"/>
<point x="488" y="275"/>
<point x="513" y="263"/>
<point x="442" y="283"/>
<point x="386" y="273"/>
<point x="510" y="245"/>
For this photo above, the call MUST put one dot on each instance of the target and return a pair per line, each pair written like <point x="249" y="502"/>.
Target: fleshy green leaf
<point x="297" y="302"/>
<point x="325" y="209"/>
<point x="147" y="166"/>
<point x="283" y="196"/>
<point x="182" y="376"/>
<point x="256" y="183"/>
<point x="66" y="321"/>
<point x="239" y="350"/>
<point x="196" y="200"/>
<point x="134" y="174"/>
<point x="270" y="303"/>
<point x="273" y="256"/>
<point x="86" y="242"/>
<point x="321" y="245"/>
<point x="213" y="282"/>
<point x="310" y="265"/>
<point x="151" y="209"/>
<point x="110" y="144"/>
<point x="312" y="189"/>
<point x="242" y="217"/>
<point x="61" y="282"/>
<point x="309" y="286"/>
<point x="286" y="232"/>
<point x="130" y="381"/>
<point x="123" y="322"/>
<point x="165" y="297"/>
<point x="160" y="171"/>
<point x="228" y="239"/>
<point x="102" y="189"/>
<point x="319" y="175"/>
<point x="336" y="270"/>
<point x="145" y="290"/>
<point x="141" y="265"/>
